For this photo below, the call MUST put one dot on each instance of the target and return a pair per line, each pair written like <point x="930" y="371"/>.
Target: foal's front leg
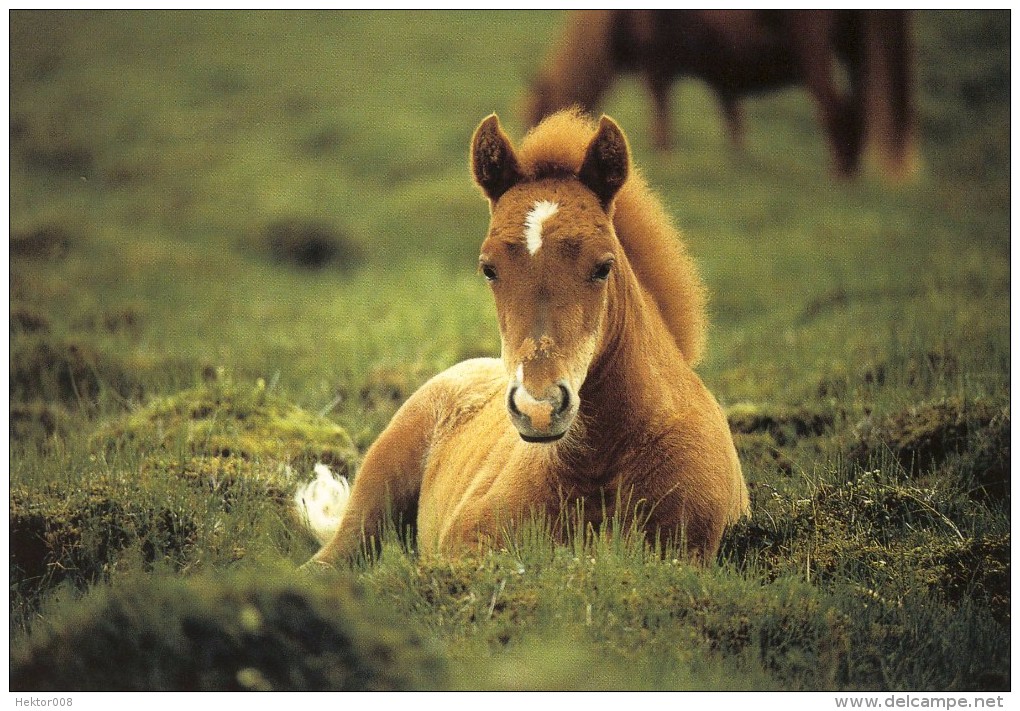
<point x="388" y="482"/>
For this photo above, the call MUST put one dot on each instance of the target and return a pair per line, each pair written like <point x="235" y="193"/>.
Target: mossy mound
<point x="226" y="421"/>
<point x="238" y="633"/>
<point x="760" y="452"/>
<point x="923" y="438"/>
<point x="48" y="242"/>
<point x="26" y="319"/>
<point x="74" y="533"/>
<point x="785" y="425"/>
<point x="37" y="421"/>
<point x="978" y="569"/>
<point x="168" y="513"/>
<point x="68" y="371"/>
<point x="54" y="151"/>
<point x="75" y="373"/>
<point x="766" y="437"/>
<point x="228" y="478"/>
<point x="882" y="536"/>
<point x="988" y="462"/>
<point x="126" y="319"/>
<point x="914" y="370"/>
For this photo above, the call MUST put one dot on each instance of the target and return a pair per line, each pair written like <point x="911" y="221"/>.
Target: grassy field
<point x="240" y="241"/>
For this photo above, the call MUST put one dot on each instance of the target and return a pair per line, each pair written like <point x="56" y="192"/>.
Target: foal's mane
<point x="653" y="246"/>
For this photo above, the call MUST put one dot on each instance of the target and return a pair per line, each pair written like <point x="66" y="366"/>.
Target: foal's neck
<point x="622" y="399"/>
<point x="638" y="359"/>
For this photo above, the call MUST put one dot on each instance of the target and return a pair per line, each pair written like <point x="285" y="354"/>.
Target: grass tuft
<point x="226" y="421"/>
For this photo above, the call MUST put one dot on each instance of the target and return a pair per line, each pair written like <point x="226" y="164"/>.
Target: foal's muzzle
<point x="542" y="419"/>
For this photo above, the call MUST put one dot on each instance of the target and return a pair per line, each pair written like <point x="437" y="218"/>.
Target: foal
<point x="594" y="400"/>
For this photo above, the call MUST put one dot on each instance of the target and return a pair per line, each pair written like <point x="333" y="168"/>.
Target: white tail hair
<point x="321" y="503"/>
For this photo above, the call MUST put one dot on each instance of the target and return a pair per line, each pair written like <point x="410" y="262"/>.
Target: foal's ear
<point x="493" y="160"/>
<point x="606" y="162"/>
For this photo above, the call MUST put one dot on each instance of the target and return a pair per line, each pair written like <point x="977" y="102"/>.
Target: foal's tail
<point x="321" y="503"/>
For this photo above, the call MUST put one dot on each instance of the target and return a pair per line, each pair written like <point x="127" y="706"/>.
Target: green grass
<point x="177" y="366"/>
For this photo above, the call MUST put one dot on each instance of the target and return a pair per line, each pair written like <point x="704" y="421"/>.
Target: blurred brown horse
<point x="744" y="52"/>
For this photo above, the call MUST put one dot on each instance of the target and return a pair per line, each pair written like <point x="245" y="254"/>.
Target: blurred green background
<point x="239" y="237"/>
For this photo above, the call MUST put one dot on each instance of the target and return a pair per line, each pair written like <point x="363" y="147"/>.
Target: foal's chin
<point x="542" y="439"/>
<point x="533" y="435"/>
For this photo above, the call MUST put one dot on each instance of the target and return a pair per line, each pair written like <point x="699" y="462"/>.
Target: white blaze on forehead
<point x="541" y="211"/>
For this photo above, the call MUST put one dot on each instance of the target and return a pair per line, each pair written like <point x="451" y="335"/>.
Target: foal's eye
<point x="601" y="271"/>
<point x="489" y="272"/>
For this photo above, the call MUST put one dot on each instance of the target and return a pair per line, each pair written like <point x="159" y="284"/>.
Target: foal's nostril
<point x="510" y="404"/>
<point x="564" y="400"/>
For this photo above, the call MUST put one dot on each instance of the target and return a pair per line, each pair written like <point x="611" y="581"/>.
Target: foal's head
<point x="549" y="257"/>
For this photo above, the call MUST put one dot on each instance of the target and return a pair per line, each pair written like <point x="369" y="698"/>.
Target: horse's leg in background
<point x="651" y="41"/>
<point x="659" y="85"/>
<point x="734" y="115"/>
<point x="849" y="40"/>
<point x="811" y="37"/>
<point x="888" y="87"/>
